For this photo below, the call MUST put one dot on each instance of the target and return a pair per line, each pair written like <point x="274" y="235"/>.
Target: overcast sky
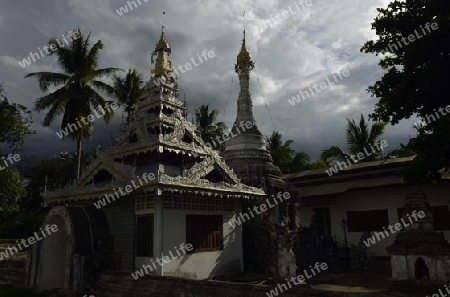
<point x="308" y="45"/>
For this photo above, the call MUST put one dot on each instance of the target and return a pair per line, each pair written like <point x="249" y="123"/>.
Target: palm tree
<point x="274" y="141"/>
<point x="206" y="123"/>
<point x="76" y="97"/>
<point x="286" y="158"/>
<point x="359" y="140"/>
<point x="129" y="90"/>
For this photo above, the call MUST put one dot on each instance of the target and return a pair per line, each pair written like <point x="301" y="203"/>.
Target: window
<point x="144" y="236"/>
<point x="441" y="217"/>
<point x="204" y="232"/>
<point x="371" y="220"/>
<point x="133" y="138"/>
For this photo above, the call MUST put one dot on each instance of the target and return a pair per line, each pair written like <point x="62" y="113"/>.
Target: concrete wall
<point x="198" y="265"/>
<point x="390" y="198"/>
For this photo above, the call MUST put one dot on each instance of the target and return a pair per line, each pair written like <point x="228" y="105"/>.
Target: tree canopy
<point x="286" y="158"/>
<point x="206" y="123"/>
<point x="413" y="41"/>
<point x="77" y="96"/>
<point x="360" y="139"/>
<point x="11" y="190"/>
<point x="129" y="90"/>
<point x="15" y="122"/>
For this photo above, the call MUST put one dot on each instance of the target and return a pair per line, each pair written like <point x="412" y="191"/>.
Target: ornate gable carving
<point x="118" y="171"/>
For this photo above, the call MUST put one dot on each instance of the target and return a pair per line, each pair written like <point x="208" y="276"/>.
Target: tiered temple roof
<point x="158" y="139"/>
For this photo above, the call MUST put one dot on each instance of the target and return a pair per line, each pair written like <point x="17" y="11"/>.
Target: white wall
<point x="390" y="198"/>
<point x="198" y="265"/>
<point x="52" y="269"/>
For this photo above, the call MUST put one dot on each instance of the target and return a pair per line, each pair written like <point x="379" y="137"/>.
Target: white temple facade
<point x="157" y="189"/>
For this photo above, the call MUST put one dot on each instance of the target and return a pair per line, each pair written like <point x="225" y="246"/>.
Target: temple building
<point x="157" y="190"/>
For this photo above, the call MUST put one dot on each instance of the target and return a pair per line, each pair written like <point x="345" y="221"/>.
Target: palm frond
<point x="53" y="112"/>
<point x="65" y="56"/>
<point x="364" y="130"/>
<point x="274" y="141"/>
<point x="353" y="136"/>
<point x="103" y="87"/>
<point x="47" y="79"/>
<point x="334" y="153"/>
<point x="376" y="132"/>
<point x="92" y="56"/>
<point x="99" y="103"/>
<point x="51" y="99"/>
<point x="106" y="72"/>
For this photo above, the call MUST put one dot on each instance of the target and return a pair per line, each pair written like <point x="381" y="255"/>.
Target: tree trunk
<point x="78" y="157"/>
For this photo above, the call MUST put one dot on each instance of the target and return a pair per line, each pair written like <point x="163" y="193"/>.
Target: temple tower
<point x="246" y="152"/>
<point x="268" y="239"/>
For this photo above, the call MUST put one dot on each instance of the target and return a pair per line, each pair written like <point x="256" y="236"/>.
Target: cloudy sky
<point x="311" y="43"/>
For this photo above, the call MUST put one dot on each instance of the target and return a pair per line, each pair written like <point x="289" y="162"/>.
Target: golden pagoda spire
<point x="243" y="58"/>
<point x="163" y="66"/>
<point x="252" y="138"/>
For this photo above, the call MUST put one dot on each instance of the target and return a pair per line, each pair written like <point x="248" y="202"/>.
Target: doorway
<point x="322" y="221"/>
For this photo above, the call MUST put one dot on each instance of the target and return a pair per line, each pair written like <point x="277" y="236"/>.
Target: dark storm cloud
<point x="304" y="48"/>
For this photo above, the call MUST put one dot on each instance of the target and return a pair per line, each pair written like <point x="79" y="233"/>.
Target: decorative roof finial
<point x="162" y="41"/>
<point x="163" y="66"/>
<point x="244" y="20"/>
<point x="162" y="16"/>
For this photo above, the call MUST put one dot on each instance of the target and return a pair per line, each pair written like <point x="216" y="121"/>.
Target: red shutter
<point x="371" y="220"/>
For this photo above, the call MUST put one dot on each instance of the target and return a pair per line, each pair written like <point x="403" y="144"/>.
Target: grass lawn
<point x="17" y="291"/>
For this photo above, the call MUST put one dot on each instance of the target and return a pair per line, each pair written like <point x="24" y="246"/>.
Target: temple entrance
<point x="63" y="260"/>
<point x="322" y="221"/>
<point x="52" y="272"/>
<point x="422" y="272"/>
<point x="315" y="244"/>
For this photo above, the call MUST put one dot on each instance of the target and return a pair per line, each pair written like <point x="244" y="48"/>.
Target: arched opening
<point x="422" y="272"/>
<point x="52" y="268"/>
